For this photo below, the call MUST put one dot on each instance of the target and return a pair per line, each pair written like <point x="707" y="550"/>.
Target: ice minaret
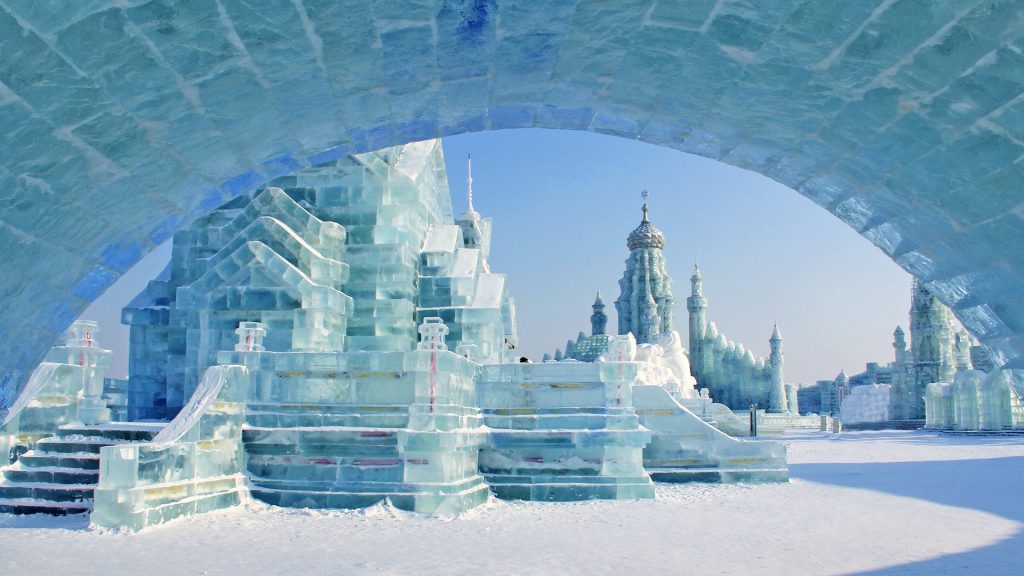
<point x="932" y="345"/>
<point x="645" y="302"/>
<point x="777" y="384"/>
<point x="899" y="394"/>
<point x="697" y="306"/>
<point x="598" y="320"/>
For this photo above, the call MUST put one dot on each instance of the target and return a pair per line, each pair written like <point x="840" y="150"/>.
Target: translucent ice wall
<point x="906" y="125"/>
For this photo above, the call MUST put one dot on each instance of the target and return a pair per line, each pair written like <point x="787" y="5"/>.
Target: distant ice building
<point x="937" y="351"/>
<point x="733" y="374"/>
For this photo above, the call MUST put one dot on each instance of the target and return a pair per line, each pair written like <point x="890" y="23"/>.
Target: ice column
<point x="250" y="337"/>
<point x="83" y="350"/>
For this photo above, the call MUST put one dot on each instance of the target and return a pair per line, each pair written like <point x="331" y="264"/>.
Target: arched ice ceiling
<point x="121" y="120"/>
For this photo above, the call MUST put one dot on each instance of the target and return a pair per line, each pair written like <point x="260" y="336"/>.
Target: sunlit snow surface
<point x="861" y="503"/>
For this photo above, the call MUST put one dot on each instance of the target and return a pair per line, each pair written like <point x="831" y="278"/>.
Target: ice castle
<point x="733" y="375"/>
<point x="943" y="379"/>
<point x="337" y="339"/>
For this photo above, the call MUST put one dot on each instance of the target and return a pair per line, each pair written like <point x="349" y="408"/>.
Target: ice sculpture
<point x="301" y="343"/>
<point x="564" y="430"/>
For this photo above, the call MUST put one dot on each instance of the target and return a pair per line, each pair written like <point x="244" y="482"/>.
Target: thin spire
<point x="469" y="183"/>
<point x="644" y="194"/>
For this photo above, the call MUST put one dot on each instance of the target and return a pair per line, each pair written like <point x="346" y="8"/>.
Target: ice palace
<point x="338" y="338"/>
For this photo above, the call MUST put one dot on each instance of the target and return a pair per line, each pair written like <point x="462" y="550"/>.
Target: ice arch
<point x="121" y="120"/>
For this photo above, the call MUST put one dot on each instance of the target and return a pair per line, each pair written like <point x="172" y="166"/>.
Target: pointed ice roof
<point x="645" y="235"/>
<point x="776" y="335"/>
<point x="598" y="301"/>
<point x="696" y="271"/>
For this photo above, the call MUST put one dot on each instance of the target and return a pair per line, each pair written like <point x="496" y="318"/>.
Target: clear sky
<point x="563" y="203"/>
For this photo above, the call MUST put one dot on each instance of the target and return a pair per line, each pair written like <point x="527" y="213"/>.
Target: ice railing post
<point x="753" y="419"/>
<point x="250" y="337"/>
<point x="432" y="332"/>
<point x="84" y="351"/>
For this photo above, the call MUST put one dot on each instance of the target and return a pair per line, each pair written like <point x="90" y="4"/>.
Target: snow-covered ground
<point x="861" y="503"/>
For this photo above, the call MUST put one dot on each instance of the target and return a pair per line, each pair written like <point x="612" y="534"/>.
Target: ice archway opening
<point x="122" y="120"/>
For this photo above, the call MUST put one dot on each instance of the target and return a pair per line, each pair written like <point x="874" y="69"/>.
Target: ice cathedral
<point x="336" y="339"/>
<point x="733" y="375"/>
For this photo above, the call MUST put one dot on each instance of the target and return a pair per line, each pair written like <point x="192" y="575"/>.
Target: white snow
<point x="860" y="503"/>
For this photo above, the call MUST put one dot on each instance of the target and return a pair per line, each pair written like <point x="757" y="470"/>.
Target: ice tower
<point x="645" y="299"/>
<point x="933" y="347"/>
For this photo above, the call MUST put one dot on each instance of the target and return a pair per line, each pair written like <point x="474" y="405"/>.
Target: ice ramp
<point x="684" y="448"/>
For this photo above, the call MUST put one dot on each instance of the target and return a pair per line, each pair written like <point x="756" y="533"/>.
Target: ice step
<point x="719" y="475"/>
<point x="47" y="491"/>
<point x="31" y="506"/>
<point x="51" y="474"/>
<point x="80" y="460"/>
<point x="59" y="475"/>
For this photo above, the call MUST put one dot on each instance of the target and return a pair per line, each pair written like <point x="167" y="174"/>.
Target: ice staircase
<point x="59" y="475"/>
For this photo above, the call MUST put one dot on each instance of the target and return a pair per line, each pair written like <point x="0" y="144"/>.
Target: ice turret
<point x="598" y="320"/>
<point x="777" y="385"/>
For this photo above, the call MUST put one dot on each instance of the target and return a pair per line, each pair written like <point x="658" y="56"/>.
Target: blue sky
<point x="563" y="203"/>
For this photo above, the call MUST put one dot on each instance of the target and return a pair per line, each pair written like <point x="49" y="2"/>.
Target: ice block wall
<point x="563" y="431"/>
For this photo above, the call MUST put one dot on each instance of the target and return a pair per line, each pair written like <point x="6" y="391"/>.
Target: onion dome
<point x="645" y="235"/>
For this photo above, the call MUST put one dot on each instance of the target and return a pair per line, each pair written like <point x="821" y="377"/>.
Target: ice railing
<point x="64" y="389"/>
<point x="194" y="465"/>
<point x="680" y="435"/>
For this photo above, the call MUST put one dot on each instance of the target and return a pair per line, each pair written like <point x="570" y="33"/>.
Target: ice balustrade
<point x="685" y="448"/>
<point x="193" y="465"/>
<point x="66" y="388"/>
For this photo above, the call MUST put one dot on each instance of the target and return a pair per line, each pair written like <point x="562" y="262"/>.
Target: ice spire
<point x="469" y="183"/>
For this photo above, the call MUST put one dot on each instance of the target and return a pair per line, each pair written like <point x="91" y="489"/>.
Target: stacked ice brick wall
<point x="454" y="285"/>
<point x="563" y="431"/>
<point x="387" y="201"/>
<point x="267" y="260"/>
<point x="868" y="403"/>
